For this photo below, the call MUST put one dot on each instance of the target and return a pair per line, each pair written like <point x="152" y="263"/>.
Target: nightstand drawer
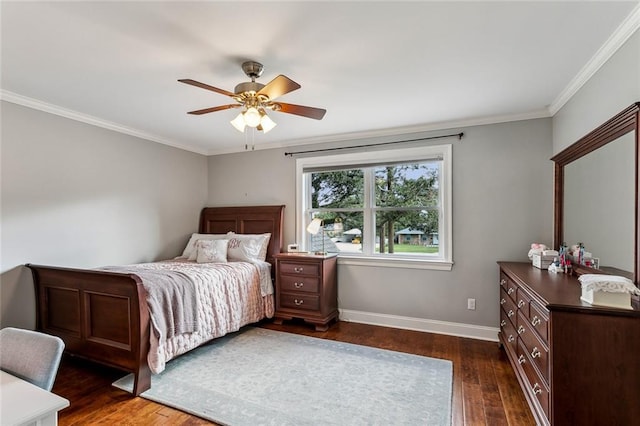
<point x="293" y="268"/>
<point x="301" y="283"/>
<point x="300" y="301"/>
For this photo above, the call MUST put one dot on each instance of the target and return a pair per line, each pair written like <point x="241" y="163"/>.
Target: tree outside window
<point x="404" y="204"/>
<point x="393" y="204"/>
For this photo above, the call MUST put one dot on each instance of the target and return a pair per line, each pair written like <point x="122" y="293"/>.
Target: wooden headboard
<point x="246" y="220"/>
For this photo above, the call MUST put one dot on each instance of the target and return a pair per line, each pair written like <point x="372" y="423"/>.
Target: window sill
<point x="399" y="262"/>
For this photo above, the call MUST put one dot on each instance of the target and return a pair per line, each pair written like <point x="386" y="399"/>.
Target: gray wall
<point x="613" y="88"/>
<point x="502" y="202"/>
<point x="82" y="196"/>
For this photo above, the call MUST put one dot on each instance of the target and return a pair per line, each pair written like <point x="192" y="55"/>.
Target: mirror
<point x="599" y="193"/>
<point x="596" y="194"/>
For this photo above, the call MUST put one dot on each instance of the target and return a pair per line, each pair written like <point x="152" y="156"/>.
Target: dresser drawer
<point x="303" y="302"/>
<point x="508" y="306"/>
<point x="299" y="283"/>
<point x="301" y="268"/>
<point x="509" y="286"/>
<point x="536" y="349"/>
<point x="539" y="319"/>
<point x="522" y="302"/>
<point x="536" y="385"/>
<point x="508" y="331"/>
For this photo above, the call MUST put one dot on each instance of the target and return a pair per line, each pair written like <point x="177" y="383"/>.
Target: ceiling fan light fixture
<point x="252" y="117"/>
<point x="239" y="123"/>
<point x="267" y="123"/>
<point x="255" y="98"/>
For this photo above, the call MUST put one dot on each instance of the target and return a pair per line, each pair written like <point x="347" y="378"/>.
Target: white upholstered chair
<point x="30" y="355"/>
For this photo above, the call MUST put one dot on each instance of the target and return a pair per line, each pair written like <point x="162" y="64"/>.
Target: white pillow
<point x="190" y="252"/>
<point x="211" y="251"/>
<point x="261" y="240"/>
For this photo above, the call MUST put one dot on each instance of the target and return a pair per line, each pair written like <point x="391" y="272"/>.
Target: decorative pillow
<point x="251" y="240"/>
<point x="211" y="251"/>
<point x="190" y="250"/>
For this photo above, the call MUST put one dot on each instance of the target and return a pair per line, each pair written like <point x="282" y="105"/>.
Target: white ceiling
<point x="376" y="67"/>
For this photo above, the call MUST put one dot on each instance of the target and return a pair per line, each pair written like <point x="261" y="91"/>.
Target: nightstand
<point x="306" y="288"/>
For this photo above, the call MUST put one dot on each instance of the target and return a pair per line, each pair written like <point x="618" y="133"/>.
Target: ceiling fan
<point x="256" y="98"/>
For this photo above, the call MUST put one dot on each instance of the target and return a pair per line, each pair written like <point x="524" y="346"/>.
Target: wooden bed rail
<point x="101" y="316"/>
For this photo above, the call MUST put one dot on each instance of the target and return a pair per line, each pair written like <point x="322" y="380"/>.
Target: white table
<point x="22" y="403"/>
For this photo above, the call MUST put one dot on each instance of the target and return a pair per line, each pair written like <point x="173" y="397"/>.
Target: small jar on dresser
<point x="306" y="288"/>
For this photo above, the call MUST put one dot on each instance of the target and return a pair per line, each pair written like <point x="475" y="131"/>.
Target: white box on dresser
<point x="541" y="261"/>
<point x="605" y="298"/>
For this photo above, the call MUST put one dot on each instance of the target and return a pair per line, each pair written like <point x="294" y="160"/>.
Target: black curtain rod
<point x="459" y="135"/>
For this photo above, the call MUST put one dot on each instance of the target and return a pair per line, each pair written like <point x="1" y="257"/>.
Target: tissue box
<point x="606" y="298"/>
<point x="541" y="261"/>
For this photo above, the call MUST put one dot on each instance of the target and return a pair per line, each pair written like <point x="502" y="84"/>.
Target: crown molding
<point x="89" y="119"/>
<point x="28" y="102"/>
<point x="624" y="31"/>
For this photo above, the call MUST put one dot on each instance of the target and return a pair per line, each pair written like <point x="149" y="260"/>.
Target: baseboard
<point x="420" y="324"/>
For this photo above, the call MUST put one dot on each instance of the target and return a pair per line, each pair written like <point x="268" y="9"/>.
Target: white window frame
<point x="416" y="154"/>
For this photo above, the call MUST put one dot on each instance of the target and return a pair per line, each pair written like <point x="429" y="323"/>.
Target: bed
<point x="103" y="315"/>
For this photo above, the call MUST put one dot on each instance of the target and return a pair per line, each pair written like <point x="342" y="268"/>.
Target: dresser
<point x="306" y="288"/>
<point x="577" y="364"/>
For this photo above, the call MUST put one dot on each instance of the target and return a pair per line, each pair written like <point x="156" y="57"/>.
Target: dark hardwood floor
<point x="485" y="389"/>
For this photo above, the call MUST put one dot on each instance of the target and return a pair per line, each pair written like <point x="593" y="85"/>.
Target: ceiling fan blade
<point x="206" y="87"/>
<point x="278" y="87"/>
<point x="304" y="111"/>
<point x="214" y="109"/>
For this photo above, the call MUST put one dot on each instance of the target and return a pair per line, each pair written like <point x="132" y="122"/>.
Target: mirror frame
<point x="623" y="123"/>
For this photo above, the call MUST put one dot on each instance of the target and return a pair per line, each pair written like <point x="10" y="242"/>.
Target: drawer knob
<point x="503" y="323"/>
<point x="521" y="330"/>
<point x="521" y="359"/>
<point x="298" y="269"/>
<point x="511" y="338"/>
<point x="537" y="389"/>
<point x="535" y="321"/>
<point x="535" y="353"/>
<point x="503" y="281"/>
<point x="510" y="313"/>
<point x="521" y="303"/>
<point x="511" y="290"/>
<point x="502" y="301"/>
<point x="298" y="302"/>
<point x="298" y="285"/>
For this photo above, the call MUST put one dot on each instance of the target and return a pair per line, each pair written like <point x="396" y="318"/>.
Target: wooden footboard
<point x="101" y="316"/>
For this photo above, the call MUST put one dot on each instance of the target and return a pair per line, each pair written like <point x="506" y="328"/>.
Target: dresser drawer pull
<point x="521" y="330"/>
<point x="502" y="301"/>
<point x="537" y="389"/>
<point x="298" y="302"/>
<point x="503" y="323"/>
<point x="521" y="303"/>
<point x="535" y="321"/>
<point x="298" y="285"/>
<point x="511" y="338"/>
<point x="510" y="313"/>
<point x="521" y="359"/>
<point x="298" y="269"/>
<point x="511" y="290"/>
<point x="503" y="281"/>
<point x="535" y="353"/>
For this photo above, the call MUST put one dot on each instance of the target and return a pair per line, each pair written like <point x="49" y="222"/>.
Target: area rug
<point x="265" y="377"/>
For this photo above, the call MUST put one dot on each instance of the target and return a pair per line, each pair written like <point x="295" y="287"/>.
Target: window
<point x="390" y="207"/>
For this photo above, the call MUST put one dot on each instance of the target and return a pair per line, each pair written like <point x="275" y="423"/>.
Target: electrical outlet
<point x="471" y="304"/>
